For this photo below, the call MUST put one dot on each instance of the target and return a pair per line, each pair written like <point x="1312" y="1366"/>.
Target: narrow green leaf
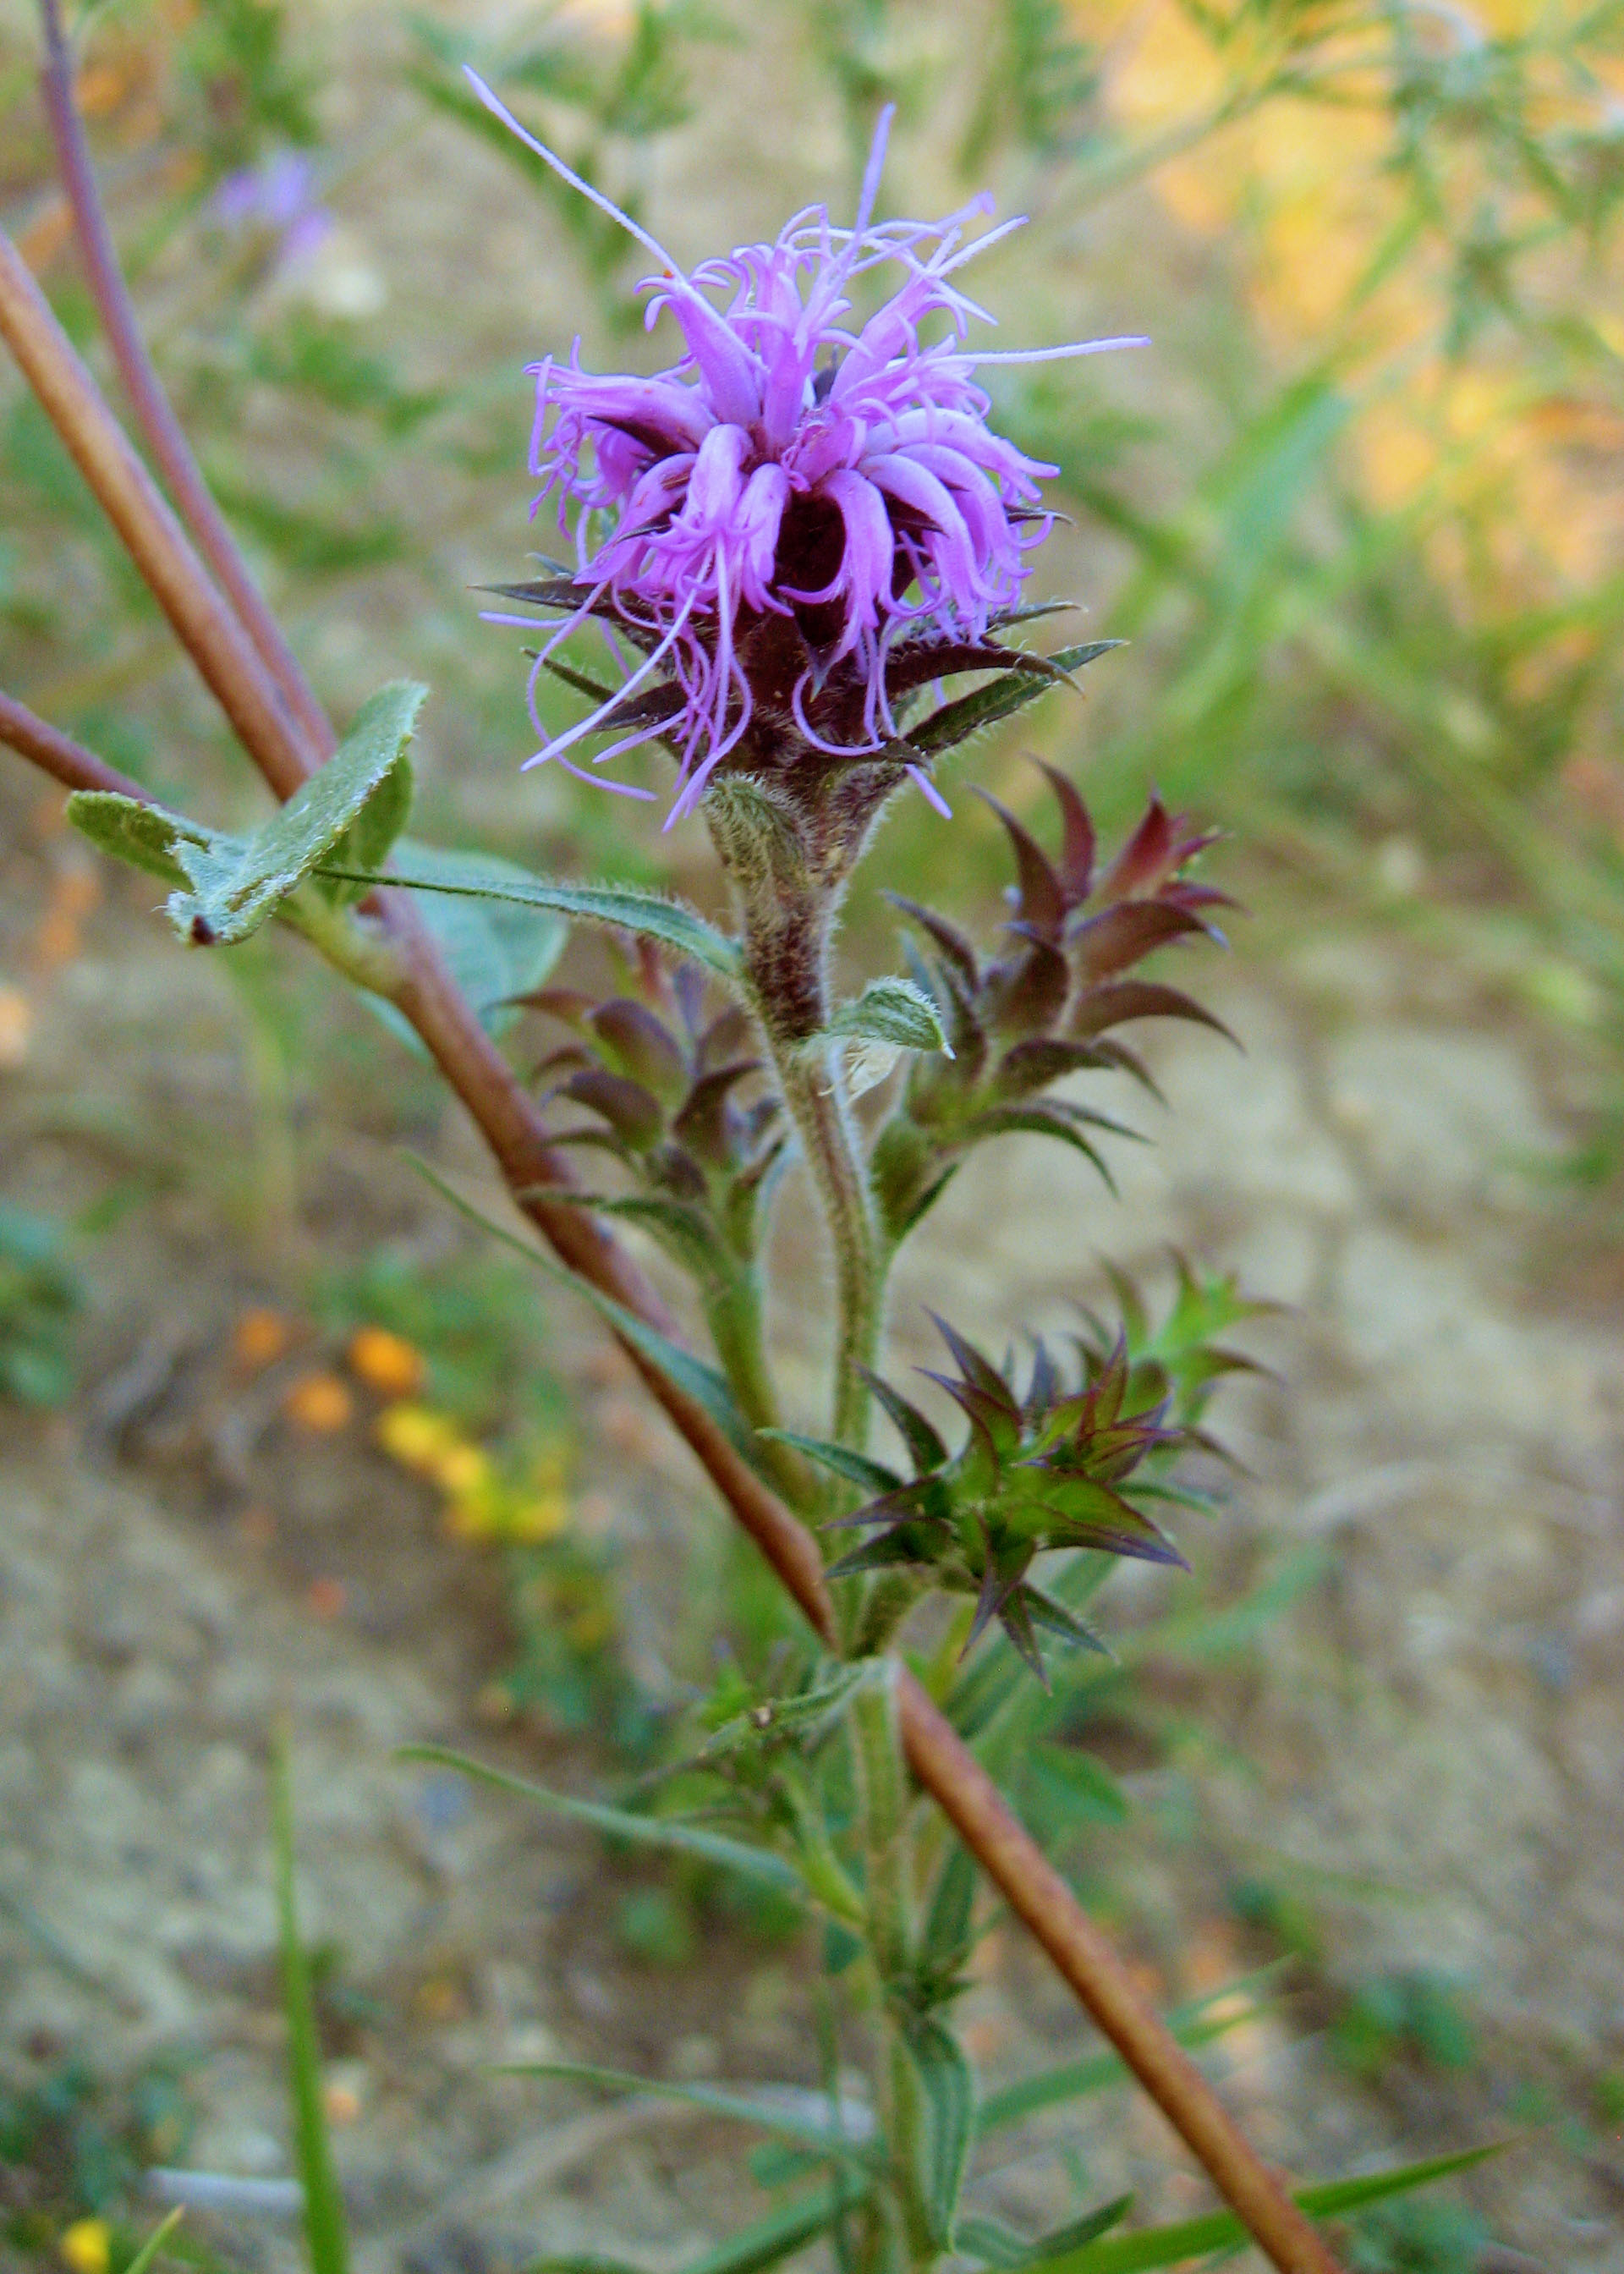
<point x="780" y="2234"/>
<point x="235" y="885"/>
<point x="155" y="2241"/>
<point x="949" y="2091"/>
<point x="692" y="1375"/>
<point x="1200" y="2022"/>
<point x="944" y="1938"/>
<point x="621" y="1824"/>
<point x="893" y="1011"/>
<point x="740" y="2105"/>
<point x="144" y="835"/>
<point x="1000" y="699"/>
<point x="1076" y="2231"/>
<point x="856" y="1468"/>
<point x="327" y="2234"/>
<point x="1219" y="2229"/>
<point x="494" y="952"/>
<point x="625" y="906"/>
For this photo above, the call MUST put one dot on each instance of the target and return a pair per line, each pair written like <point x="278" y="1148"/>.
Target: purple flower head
<point x="771" y="516"/>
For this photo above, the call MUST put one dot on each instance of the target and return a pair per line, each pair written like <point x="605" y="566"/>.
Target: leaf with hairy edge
<point x="1219" y="2230"/>
<point x="622" y="1823"/>
<point x="793" y="2113"/>
<point x="691" y="1375"/>
<point x="651" y="915"/>
<point x="1037" y="1121"/>
<point x="495" y="953"/>
<point x="236" y="884"/>
<point x="948" y="2089"/>
<point x="893" y="1011"/>
<point x="143" y="835"/>
<point x="955" y="722"/>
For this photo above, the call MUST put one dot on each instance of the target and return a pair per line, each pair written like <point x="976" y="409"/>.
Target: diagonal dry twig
<point x="285" y="749"/>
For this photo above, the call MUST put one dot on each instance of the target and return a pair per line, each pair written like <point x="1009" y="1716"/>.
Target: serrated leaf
<point x="651" y="915"/>
<point x="145" y="836"/>
<point x="793" y="2113"/>
<point x="1196" y="2238"/>
<point x="955" y="722"/>
<point x="236" y="884"/>
<point x="948" y="2090"/>
<point x="622" y="1823"/>
<point x="893" y="1011"/>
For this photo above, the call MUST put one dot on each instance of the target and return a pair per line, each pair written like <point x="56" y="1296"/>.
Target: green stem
<point x="882" y="1798"/>
<point x="810" y="1077"/>
<point x="733" y="1315"/>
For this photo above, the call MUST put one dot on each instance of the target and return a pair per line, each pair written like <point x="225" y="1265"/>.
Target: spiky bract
<point x="1049" y="1005"/>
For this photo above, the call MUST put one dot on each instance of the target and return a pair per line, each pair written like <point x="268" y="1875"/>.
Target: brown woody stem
<point x="154" y="415"/>
<point x="507" y="1118"/>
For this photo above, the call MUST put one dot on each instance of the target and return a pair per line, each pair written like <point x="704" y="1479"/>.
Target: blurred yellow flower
<point x="415" y="1436"/>
<point x="88" y="2245"/>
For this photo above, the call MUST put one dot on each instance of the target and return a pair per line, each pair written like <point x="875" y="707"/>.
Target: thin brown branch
<point x="57" y="753"/>
<point x="203" y="622"/>
<point x="154" y="415"/>
<point x="507" y="1117"/>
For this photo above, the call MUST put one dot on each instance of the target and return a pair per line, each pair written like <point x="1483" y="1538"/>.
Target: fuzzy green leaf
<point x="627" y="908"/>
<point x="144" y="835"/>
<point x="236" y="884"/>
<point x="1196" y="2238"/>
<point x="893" y="1011"/>
<point x="622" y="1823"/>
<point x="948" y="2089"/>
<point x="955" y="722"/>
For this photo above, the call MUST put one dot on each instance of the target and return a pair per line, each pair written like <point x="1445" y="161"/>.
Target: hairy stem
<point x="507" y="1117"/>
<point x="883" y="1800"/>
<point x="732" y="1309"/>
<point x="810" y="1080"/>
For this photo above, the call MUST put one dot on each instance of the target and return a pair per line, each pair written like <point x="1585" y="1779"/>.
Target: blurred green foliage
<point x="39" y="1295"/>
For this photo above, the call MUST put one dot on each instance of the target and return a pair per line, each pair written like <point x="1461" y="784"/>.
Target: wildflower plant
<point x="788" y="541"/>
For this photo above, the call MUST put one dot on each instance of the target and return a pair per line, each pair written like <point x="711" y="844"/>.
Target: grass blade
<point x="621" y="1824"/>
<point x="326" y="2232"/>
